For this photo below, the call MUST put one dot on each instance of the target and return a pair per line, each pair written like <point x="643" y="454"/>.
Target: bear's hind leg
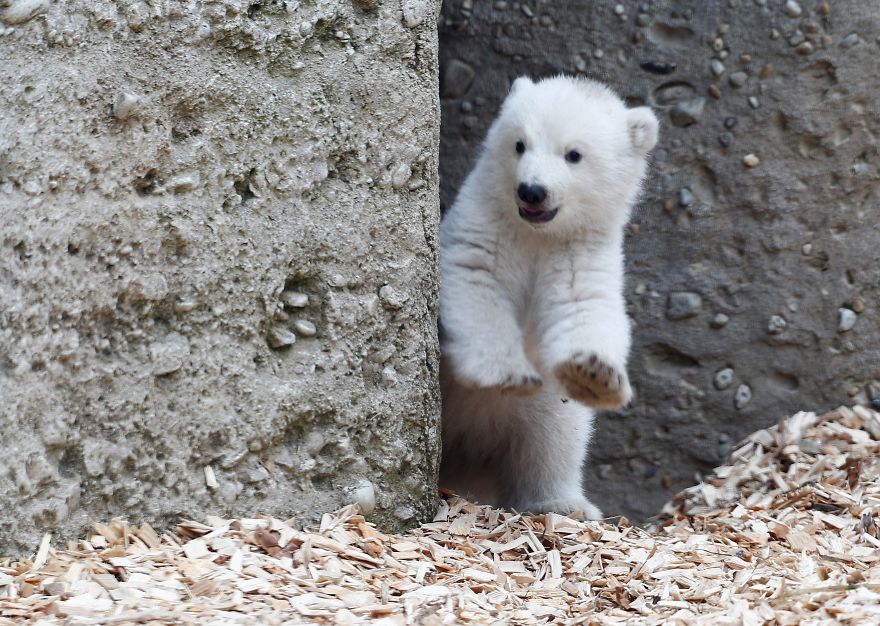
<point x="542" y="469"/>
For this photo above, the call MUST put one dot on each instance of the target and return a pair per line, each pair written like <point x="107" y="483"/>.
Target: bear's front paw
<point x="501" y="375"/>
<point x="521" y="384"/>
<point x="590" y="379"/>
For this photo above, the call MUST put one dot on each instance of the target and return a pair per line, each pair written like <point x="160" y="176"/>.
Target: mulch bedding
<point x="785" y="533"/>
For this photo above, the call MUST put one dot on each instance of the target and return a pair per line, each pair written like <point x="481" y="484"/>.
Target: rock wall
<point x="753" y="273"/>
<point x="217" y="261"/>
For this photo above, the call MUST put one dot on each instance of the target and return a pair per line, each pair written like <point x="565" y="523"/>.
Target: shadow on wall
<point x="751" y="272"/>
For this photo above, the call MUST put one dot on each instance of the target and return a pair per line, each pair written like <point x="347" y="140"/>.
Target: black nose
<point x="533" y="194"/>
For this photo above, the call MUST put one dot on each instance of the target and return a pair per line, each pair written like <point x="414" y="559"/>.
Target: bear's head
<point x="566" y="154"/>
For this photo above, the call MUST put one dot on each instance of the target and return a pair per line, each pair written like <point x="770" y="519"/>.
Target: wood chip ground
<point x="786" y="533"/>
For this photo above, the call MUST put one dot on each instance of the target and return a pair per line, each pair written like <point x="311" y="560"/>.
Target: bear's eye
<point x="520" y="147"/>
<point x="572" y="156"/>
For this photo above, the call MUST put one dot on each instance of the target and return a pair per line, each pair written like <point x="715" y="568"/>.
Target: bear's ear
<point x="643" y="128"/>
<point x="521" y="83"/>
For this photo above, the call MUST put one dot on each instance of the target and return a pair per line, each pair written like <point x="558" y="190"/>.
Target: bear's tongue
<point x="532" y="210"/>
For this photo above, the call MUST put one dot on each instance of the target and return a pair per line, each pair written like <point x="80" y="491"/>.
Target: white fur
<point x="534" y="326"/>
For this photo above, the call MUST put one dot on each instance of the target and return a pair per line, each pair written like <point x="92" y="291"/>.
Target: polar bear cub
<point x="534" y="330"/>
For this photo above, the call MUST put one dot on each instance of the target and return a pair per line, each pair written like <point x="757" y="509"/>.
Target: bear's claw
<point x="521" y="384"/>
<point x="499" y="374"/>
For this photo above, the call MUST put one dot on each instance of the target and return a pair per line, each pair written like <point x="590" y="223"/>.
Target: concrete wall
<point x="753" y="282"/>
<point x="217" y="250"/>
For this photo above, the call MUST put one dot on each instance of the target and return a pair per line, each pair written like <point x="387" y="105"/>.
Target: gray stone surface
<point x="201" y="207"/>
<point x="793" y="236"/>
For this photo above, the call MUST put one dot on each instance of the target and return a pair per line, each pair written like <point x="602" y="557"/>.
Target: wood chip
<point x="196" y="549"/>
<point x="43" y="551"/>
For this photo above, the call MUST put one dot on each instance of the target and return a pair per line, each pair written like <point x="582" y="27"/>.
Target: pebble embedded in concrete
<point x="415" y="12"/>
<point x="658" y="68"/>
<point x="404" y="513"/>
<point x="391" y="298"/>
<point x="294" y="299"/>
<point x="126" y="105"/>
<point x="796" y="38"/>
<point x="401" y="175"/>
<point x="805" y="48"/>
<point x="314" y="442"/>
<point x="685" y="197"/>
<point x="683" y="304"/>
<point x="846" y="319"/>
<point x="305" y="328"/>
<point x="169" y="355"/>
<point x="849" y="41"/>
<point x="751" y="160"/>
<point x="811" y="26"/>
<point x="719" y="321"/>
<point x="723" y="446"/>
<point x="776" y="325"/>
<point x="337" y="280"/>
<point x="717" y="67"/>
<point x="389" y="376"/>
<point x="742" y="396"/>
<point x="723" y="378"/>
<point x="792" y="8"/>
<point x="255" y="474"/>
<point x="738" y="79"/>
<point x="279" y="337"/>
<point x="150" y="287"/>
<point x="457" y="79"/>
<point x="184" y="182"/>
<point x="687" y="112"/>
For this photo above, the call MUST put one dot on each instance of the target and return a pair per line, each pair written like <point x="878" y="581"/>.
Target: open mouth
<point x="537" y="215"/>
